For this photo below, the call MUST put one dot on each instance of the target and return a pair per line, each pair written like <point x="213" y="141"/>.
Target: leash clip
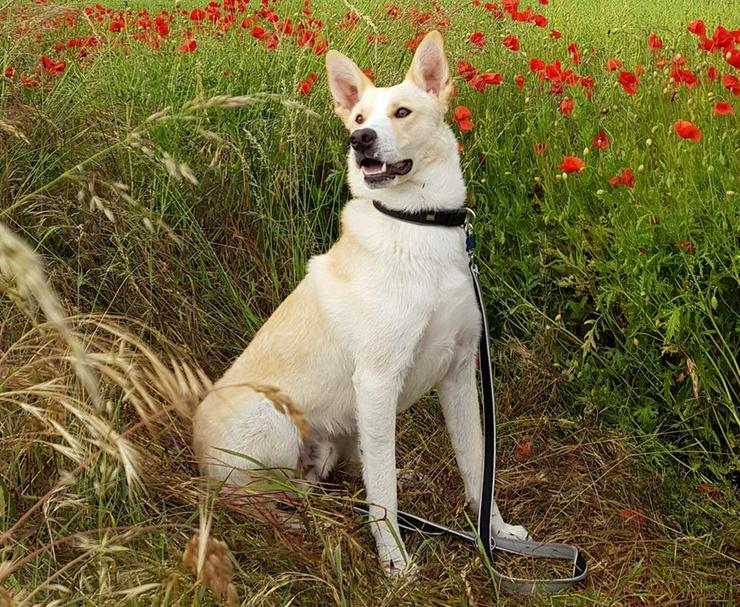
<point x="470" y="238"/>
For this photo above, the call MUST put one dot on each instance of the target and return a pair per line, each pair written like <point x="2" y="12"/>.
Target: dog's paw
<point x="404" y="570"/>
<point x="395" y="561"/>
<point x="516" y="532"/>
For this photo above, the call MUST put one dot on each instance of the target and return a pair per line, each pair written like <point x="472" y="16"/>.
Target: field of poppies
<point x="168" y="168"/>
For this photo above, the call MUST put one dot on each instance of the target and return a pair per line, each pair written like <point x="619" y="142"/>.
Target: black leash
<point x="490" y="544"/>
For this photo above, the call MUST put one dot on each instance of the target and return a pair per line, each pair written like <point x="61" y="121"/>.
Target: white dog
<point x="385" y="316"/>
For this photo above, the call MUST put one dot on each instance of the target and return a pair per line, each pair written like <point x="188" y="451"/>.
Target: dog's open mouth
<point x="376" y="171"/>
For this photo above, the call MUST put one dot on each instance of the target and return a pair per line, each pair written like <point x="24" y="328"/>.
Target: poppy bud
<point x="641" y="168"/>
<point x="648" y="142"/>
<point x="600" y="192"/>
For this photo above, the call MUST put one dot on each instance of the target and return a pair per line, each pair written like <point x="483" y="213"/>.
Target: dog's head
<point x="395" y="132"/>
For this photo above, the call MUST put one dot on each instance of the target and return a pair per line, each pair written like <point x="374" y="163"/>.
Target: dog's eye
<point x="359" y="119"/>
<point x="402" y="112"/>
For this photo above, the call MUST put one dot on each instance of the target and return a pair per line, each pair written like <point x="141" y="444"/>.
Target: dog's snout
<point x="363" y="139"/>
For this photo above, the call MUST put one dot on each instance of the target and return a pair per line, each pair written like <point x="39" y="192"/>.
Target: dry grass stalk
<point x="13" y="130"/>
<point x="6" y="600"/>
<point x="20" y="263"/>
<point x="210" y="560"/>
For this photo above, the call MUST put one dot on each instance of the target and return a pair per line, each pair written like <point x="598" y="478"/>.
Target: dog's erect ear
<point x="346" y="82"/>
<point x="429" y="70"/>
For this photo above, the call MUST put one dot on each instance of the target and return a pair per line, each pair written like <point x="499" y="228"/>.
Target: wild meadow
<point x="168" y="168"/>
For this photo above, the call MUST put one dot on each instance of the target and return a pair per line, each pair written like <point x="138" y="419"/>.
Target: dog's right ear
<point x="346" y="82"/>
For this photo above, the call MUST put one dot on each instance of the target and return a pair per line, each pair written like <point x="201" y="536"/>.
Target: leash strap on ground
<point x="490" y="544"/>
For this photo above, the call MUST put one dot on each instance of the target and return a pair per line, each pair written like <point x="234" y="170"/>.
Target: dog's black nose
<point x="362" y="139"/>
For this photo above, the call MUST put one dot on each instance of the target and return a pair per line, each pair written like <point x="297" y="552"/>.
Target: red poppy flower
<point x="697" y="28"/>
<point x="321" y="48"/>
<point x="572" y="164"/>
<point x="626" y="177"/>
<point x="566" y="106"/>
<point x="536" y="65"/>
<point x="462" y="112"/>
<point x="710" y="490"/>
<point x="601" y="142"/>
<point x="53" y="67"/>
<point x="733" y="58"/>
<point x="116" y="25"/>
<point x="524" y="450"/>
<point x="540" y="148"/>
<point x="629" y="82"/>
<point x="714" y="74"/>
<point x="466" y="70"/>
<point x="271" y="41"/>
<point x="686" y="245"/>
<point x="519" y="81"/>
<point x="197" y="14"/>
<point x="555" y="34"/>
<point x="187" y="47"/>
<point x="466" y="125"/>
<point x="613" y="64"/>
<point x="478" y="84"/>
<point x="9" y="71"/>
<point x="511" y="42"/>
<point x="491" y="78"/>
<point x="286" y="27"/>
<point x="732" y="83"/>
<point x="686" y="76"/>
<point x="304" y="86"/>
<point x="575" y="56"/>
<point x="258" y="32"/>
<point x="162" y="27"/>
<point x="654" y="42"/>
<point x="687" y="130"/>
<point x="28" y="81"/>
<point x="632" y="515"/>
<point x="478" y="39"/>
<point x="722" y="109"/>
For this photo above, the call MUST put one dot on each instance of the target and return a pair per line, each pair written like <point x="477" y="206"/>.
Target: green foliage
<point x="633" y="294"/>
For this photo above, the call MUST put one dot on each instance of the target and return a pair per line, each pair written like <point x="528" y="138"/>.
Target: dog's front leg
<point x="458" y="393"/>
<point x="377" y="397"/>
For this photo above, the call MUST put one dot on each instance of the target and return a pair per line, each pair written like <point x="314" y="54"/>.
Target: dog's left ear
<point x="429" y="70"/>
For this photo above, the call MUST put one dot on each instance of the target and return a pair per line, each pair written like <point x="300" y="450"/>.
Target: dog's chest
<point x="451" y="330"/>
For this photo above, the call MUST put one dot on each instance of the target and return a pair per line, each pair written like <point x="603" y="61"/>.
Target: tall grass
<point x="182" y="194"/>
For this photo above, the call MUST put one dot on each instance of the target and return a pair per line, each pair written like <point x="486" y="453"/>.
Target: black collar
<point x="451" y="219"/>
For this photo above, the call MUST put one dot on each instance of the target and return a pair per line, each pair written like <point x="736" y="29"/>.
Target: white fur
<point x="385" y="316"/>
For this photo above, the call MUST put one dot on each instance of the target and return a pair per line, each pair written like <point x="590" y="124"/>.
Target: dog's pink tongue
<point x="373" y="169"/>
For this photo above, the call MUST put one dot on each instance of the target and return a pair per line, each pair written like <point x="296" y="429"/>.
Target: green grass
<point x="617" y="341"/>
